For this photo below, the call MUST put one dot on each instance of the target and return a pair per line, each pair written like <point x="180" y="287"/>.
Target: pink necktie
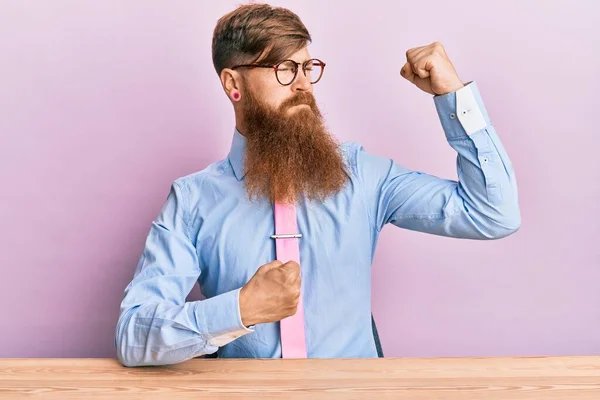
<point x="293" y="340"/>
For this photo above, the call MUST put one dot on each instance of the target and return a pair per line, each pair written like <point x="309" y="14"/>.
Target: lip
<point x="298" y="106"/>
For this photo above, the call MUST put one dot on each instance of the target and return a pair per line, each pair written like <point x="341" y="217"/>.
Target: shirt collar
<point x="237" y="154"/>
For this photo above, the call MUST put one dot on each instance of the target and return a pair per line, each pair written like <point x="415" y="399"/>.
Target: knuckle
<point x="294" y="281"/>
<point x="292" y="269"/>
<point x="293" y="294"/>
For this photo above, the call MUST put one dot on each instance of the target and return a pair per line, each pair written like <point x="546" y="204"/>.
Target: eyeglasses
<point x="287" y="70"/>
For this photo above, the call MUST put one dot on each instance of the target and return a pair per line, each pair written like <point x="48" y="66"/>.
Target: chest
<point x="234" y="240"/>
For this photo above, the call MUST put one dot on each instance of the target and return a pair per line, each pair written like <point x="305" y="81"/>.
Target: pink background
<point x="104" y="103"/>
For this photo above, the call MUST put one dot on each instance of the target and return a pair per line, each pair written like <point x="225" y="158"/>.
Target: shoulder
<point x="350" y="151"/>
<point x="196" y="182"/>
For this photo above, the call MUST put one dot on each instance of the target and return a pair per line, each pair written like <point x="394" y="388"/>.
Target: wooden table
<point x="394" y="378"/>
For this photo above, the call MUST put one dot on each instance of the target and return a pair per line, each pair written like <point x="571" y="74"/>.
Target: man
<point x="216" y="225"/>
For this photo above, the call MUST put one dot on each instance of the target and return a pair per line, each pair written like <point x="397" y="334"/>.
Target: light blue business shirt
<point x="208" y="232"/>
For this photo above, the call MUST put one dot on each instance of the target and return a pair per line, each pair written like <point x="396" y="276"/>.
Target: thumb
<point x="408" y="73"/>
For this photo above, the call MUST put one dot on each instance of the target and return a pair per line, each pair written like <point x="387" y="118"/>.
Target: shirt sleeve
<point x="482" y="204"/>
<point x="156" y="325"/>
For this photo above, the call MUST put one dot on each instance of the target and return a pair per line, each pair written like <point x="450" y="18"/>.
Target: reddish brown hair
<point x="257" y="33"/>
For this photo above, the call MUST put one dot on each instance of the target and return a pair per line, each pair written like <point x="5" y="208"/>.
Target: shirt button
<point x="485" y="160"/>
<point x="452" y="116"/>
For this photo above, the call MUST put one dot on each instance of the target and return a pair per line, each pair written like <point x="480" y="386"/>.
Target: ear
<point x="231" y="81"/>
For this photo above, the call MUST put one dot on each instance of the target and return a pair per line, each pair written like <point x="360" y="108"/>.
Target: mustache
<point x="298" y="99"/>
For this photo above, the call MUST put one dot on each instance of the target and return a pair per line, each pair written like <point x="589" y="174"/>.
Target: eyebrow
<point x="302" y="62"/>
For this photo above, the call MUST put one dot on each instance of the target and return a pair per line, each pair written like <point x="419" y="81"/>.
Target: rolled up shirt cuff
<point x="219" y="318"/>
<point x="462" y="113"/>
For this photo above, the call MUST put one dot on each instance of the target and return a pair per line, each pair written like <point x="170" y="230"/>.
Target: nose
<point x="302" y="82"/>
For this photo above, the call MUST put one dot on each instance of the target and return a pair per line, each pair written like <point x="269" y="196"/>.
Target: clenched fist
<point x="272" y="294"/>
<point x="430" y="69"/>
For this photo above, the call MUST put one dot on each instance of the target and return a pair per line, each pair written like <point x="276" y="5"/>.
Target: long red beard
<point x="290" y="155"/>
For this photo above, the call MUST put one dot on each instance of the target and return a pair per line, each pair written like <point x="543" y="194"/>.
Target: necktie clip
<point x="287" y="236"/>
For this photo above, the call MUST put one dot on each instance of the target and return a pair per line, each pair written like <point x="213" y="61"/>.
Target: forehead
<point x="300" y="56"/>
